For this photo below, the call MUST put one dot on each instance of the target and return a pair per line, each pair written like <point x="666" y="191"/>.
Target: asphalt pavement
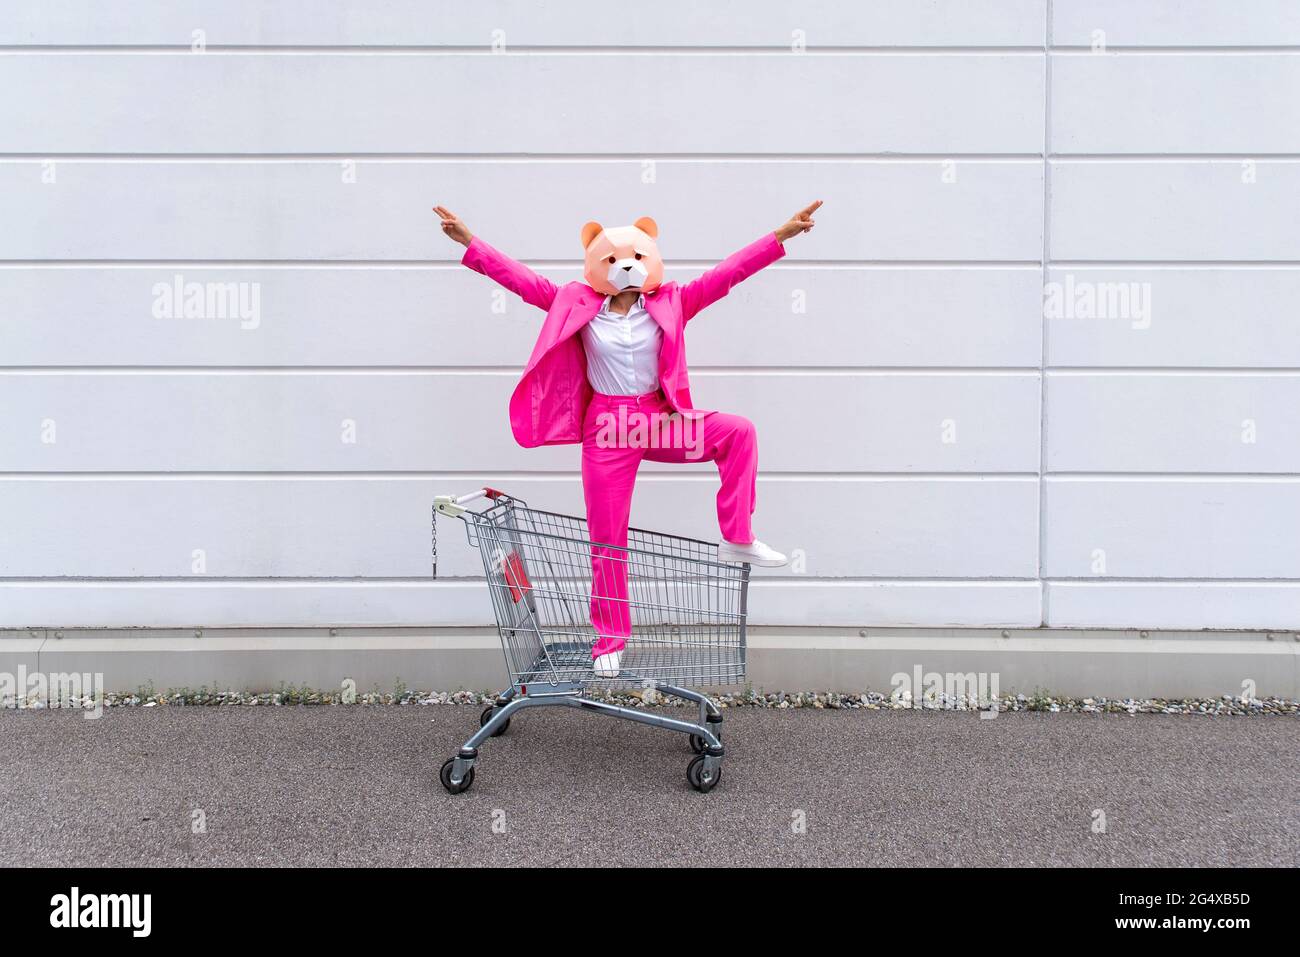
<point x="295" y="786"/>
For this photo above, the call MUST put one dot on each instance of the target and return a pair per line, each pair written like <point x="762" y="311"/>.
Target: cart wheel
<point x="486" y="716"/>
<point x="445" y="776"/>
<point x="697" y="744"/>
<point x="694" y="772"/>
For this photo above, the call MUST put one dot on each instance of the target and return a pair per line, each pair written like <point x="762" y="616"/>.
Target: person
<point x="609" y="372"/>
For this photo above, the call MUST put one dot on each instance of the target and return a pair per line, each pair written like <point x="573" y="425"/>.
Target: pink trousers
<point x="618" y="433"/>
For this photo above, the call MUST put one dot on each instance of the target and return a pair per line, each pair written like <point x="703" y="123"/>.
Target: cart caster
<point x="486" y="716"/>
<point x="698" y="744"/>
<point x="704" y="773"/>
<point x="445" y="777"/>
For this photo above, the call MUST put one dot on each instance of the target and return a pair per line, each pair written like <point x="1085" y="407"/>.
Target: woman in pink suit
<point x="609" y="371"/>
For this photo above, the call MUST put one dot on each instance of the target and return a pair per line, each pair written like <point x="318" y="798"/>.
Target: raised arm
<point x="739" y="266"/>
<point x="479" y="256"/>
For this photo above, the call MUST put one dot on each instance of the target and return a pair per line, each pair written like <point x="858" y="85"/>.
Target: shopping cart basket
<point x="686" y="610"/>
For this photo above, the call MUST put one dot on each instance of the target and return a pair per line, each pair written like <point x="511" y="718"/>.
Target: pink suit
<point x="553" y="404"/>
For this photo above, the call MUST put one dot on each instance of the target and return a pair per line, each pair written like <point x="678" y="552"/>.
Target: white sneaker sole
<point x="740" y="558"/>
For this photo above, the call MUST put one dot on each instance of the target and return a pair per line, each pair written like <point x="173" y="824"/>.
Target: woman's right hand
<point x="453" y="227"/>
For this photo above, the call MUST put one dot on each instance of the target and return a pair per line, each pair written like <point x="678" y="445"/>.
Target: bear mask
<point x="623" y="257"/>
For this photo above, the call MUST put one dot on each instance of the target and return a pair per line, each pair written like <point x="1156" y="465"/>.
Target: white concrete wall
<point x="968" y="152"/>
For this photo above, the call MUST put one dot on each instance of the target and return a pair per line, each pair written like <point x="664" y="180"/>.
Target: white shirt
<point x="623" y="351"/>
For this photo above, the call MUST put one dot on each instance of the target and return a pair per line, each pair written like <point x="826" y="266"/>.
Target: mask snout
<point x="627" y="274"/>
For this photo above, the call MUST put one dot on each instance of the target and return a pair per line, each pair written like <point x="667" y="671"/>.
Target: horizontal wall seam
<point x="1076" y="371"/>
<point x="1156" y="49"/>
<point x="765" y="580"/>
<point x="455" y="265"/>
<point x="1222" y="371"/>
<point x="860" y="158"/>
<point x="1031" y="265"/>
<point x="754" y="156"/>
<point x="782" y="49"/>
<point x="408" y="580"/>
<point x="541" y="50"/>
<point x="513" y="371"/>
<point x="521" y="476"/>
<point x="1176" y="263"/>
<point x="1170" y="155"/>
<point x="652" y="476"/>
<point x="532" y="159"/>
<point x="888" y="157"/>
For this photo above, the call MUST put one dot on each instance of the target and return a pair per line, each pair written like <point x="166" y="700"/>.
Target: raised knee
<point x="745" y="429"/>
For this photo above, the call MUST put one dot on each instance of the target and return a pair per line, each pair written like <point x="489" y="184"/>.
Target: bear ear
<point x="648" y="226"/>
<point x="590" y="232"/>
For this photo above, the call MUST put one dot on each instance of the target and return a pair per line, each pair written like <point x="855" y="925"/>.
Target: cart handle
<point x="454" y="505"/>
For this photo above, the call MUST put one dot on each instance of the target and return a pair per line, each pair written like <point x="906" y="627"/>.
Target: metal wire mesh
<point x="684" y="609"/>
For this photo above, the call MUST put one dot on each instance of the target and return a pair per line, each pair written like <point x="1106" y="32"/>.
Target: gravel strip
<point x="288" y="696"/>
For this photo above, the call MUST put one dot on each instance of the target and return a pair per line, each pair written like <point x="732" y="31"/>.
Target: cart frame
<point x="687" y="612"/>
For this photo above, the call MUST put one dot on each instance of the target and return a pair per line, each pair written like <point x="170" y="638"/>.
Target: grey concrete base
<point x="264" y="659"/>
<point x="19" y="651"/>
<point x="1074" y="663"/>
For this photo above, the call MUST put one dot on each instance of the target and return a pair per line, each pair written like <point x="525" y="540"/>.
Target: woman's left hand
<point x="800" y="222"/>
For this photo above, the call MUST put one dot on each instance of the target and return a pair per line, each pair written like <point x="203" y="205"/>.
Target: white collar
<point x="639" y="304"/>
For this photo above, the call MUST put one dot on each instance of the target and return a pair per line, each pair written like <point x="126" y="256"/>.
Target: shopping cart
<point x="686" y="610"/>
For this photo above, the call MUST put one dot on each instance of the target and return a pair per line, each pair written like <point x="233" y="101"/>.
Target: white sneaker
<point x="755" y="553"/>
<point x="607" y="666"/>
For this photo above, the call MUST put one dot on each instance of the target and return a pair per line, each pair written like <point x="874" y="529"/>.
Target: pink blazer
<point x="550" y="400"/>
